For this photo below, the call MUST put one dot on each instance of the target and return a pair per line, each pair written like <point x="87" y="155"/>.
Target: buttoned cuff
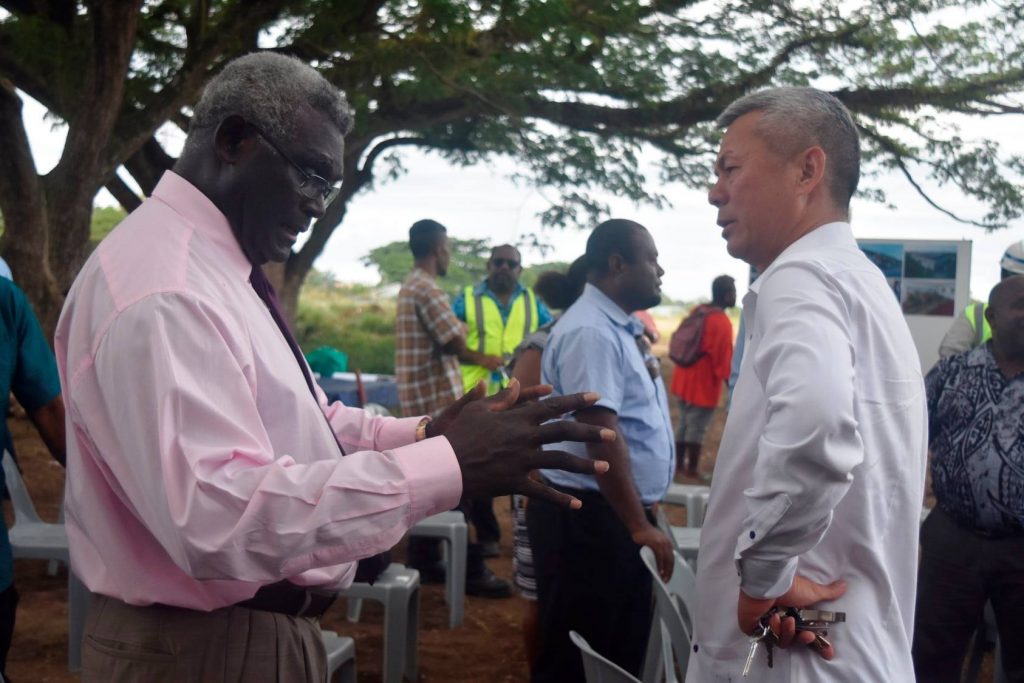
<point x="763" y="579"/>
<point x="433" y="474"/>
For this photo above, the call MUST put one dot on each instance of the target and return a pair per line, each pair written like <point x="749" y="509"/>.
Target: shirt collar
<point x="826" y="235"/>
<point x="187" y="201"/>
<point x="601" y="302"/>
<point x="981" y="355"/>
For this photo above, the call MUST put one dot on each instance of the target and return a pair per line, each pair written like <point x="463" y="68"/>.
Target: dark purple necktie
<point x="265" y="291"/>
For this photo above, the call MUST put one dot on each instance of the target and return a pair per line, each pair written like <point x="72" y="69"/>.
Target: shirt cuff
<point x="397" y="433"/>
<point x="433" y="474"/>
<point x="763" y="579"/>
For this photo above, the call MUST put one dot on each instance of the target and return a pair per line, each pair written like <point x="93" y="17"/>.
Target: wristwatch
<point x="421" y="428"/>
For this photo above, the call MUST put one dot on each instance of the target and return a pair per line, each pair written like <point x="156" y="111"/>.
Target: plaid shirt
<point x="428" y="380"/>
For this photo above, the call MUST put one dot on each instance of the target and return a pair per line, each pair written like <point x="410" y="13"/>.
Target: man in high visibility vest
<point x="971" y="327"/>
<point x="498" y="312"/>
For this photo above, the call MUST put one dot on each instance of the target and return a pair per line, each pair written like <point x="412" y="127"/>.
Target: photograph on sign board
<point x="896" y="285"/>
<point x="928" y="297"/>
<point x="888" y="256"/>
<point x="931" y="263"/>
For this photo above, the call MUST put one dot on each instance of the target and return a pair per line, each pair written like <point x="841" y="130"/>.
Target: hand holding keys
<point x="811" y="620"/>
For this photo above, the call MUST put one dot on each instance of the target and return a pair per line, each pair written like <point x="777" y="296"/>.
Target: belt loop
<point x="307" y="599"/>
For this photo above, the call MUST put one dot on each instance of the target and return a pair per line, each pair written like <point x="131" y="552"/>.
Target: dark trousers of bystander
<point x="8" y="611"/>
<point x="960" y="571"/>
<point x="590" y="579"/>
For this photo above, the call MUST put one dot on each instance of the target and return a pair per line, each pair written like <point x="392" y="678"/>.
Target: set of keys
<point x="813" y="620"/>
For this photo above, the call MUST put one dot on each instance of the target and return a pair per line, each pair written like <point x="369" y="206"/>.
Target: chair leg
<point x="456" y="589"/>
<point x="353" y="608"/>
<point x="651" y="673"/>
<point x="347" y="674"/>
<point x="411" y="635"/>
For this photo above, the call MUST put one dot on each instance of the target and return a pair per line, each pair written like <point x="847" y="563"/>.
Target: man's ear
<point x="813" y="163"/>
<point x="234" y="140"/>
<point x="615" y="263"/>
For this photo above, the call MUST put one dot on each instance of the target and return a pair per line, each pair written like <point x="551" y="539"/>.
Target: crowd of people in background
<point x="228" y="489"/>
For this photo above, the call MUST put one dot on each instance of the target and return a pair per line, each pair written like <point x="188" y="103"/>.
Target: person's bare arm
<point x="527" y="369"/>
<point x="617" y="487"/>
<point x="49" y="421"/>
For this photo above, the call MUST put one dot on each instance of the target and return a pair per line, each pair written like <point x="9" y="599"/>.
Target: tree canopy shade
<point x="581" y="93"/>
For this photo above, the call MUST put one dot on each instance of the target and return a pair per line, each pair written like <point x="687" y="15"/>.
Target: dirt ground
<point x="487" y="647"/>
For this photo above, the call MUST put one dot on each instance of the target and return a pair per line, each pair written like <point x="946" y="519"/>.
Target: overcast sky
<point x="479" y="202"/>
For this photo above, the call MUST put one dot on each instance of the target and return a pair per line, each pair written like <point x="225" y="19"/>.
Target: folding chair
<point x="668" y="647"/>
<point x="452" y="529"/>
<point x="341" y="654"/>
<point x="32" y="538"/>
<point x="398" y="589"/>
<point x="598" y="669"/>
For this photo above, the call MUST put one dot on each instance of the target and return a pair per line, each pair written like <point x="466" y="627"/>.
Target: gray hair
<point x="797" y="118"/>
<point x="268" y="90"/>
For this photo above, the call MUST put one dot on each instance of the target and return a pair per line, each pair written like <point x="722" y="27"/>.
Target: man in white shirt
<point x="820" y="474"/>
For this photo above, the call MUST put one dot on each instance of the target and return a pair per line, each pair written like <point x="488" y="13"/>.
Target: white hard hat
<point x="1013" y="259"/>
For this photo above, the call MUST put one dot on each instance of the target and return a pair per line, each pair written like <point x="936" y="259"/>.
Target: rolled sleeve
<point x="810" y="444"/>
<point x="602" y="371"/>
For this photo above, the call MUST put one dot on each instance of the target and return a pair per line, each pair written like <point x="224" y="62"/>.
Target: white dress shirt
<point x="820" y="470"/>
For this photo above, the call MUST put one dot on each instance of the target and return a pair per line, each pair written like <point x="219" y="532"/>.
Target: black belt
<point x="285" y="597"/>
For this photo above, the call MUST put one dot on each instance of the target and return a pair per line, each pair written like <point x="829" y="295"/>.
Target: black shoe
<point x="490" y="549"/>
<point x="488" y="585"/>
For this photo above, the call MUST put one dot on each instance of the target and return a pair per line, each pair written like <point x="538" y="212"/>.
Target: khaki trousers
<point x="160" y="644"/>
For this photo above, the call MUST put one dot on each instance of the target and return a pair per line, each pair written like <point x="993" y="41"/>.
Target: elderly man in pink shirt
<point x="215" y="501"/>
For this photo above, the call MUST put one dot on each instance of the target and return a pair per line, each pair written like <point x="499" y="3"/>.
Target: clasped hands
<point x="497" y="440"/>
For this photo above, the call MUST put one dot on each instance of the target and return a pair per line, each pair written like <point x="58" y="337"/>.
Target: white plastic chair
<point x="341" y="654"/>
<point x="694" y="497"/>
<point x="597" y="668"/>
<point x="668" y="647"/>
<point x="452" y="529"/>
<point x="32" y="538"/>
<point x="398" y="589"/>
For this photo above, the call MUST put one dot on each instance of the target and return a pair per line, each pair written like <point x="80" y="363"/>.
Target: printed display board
<point x="931" y="280"/>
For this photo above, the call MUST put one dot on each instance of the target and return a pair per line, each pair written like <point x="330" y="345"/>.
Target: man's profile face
<point x="754" y="193"/>
<point x="503" y="269"/>
<point x="1006" y="316"/>
<point x="271" y="212"/>
<point x="730" y="296"/>
<point x="444" y="255"/>
<point x="641" y="279"/>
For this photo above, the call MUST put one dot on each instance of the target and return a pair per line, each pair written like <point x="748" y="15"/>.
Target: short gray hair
<point x="268" y="90"/>
<point x="797" y="118"/>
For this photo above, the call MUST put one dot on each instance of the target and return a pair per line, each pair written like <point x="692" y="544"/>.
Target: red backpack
<point x="684" y="345"/>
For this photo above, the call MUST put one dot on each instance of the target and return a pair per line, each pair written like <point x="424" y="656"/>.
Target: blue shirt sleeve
<point x="35" y="380"/>
<point x="459" y="306"/>
<point x="589" y="359"/>
<point x="543" y="314"/>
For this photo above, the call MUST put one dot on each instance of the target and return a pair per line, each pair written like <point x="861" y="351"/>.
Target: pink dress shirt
<point x="199" y="465"/>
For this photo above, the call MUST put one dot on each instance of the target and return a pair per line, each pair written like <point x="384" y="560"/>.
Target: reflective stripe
<point x="480" y="333"/>
<point x="529" y="312"/>
<point x="979" y="323"/>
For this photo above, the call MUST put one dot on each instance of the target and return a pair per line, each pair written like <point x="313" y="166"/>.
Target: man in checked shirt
<point x="430" y="343"/>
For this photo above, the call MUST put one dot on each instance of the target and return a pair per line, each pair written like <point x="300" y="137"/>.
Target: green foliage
<point x="360" y="325"/>
<point x="104" y="218"/>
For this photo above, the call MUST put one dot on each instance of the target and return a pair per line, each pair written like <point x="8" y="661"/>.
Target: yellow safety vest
<point x="490" y="336"/>
<point x="976" y="315"/>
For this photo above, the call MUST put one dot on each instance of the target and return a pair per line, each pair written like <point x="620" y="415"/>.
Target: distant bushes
<point x="351" y="320"/>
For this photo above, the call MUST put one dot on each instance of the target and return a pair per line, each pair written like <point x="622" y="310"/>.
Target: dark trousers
<point x="590" y="579"/>
<point x="8" y="610"/>
<point x="960" y="571"/>
<point x="481" y="515"/>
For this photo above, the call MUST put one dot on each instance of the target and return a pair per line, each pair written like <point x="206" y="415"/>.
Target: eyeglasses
<point x="499" y="262"/>
<point x="312" y="185"/>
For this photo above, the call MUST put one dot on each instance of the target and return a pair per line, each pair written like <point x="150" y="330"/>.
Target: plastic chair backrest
<point x="672" y="605"/>
<point x="665" y="527"/>
<point x="597" y="668"/>
<point x="21" y="501"/>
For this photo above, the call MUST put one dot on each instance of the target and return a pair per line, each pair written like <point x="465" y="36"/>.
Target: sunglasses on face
<point x="312" y="185"/>
<point x="499" y="262"/>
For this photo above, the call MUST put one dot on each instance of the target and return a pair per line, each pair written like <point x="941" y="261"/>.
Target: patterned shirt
<point x="428" y="379"/>
<point x="976" y="431"/>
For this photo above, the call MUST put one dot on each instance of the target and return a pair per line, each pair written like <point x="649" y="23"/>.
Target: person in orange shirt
<point x="699" y="386"/>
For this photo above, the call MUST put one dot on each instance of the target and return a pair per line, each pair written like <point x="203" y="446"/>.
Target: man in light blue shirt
<point x="590" y="577"/>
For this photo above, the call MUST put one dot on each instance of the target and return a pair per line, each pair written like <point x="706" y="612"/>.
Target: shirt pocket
<point x="884" y="408"/>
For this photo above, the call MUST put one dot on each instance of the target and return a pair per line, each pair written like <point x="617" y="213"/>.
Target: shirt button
<point x="695" y="647"/>
<point x="753" y="535"/>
